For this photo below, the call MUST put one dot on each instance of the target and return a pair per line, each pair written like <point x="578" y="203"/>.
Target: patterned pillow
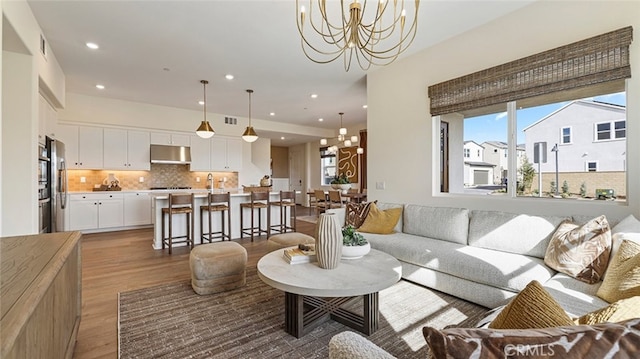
<point x="614" y="340"/>
<point x="533" y="307"/>
<point x="356" y="213"/>
<point x="380" y="222"/>
<point x="581" y="251"/>
<point x="623" y="309"/>
<point x="623" y="276"/>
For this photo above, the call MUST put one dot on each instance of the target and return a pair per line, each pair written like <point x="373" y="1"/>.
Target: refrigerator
<point x="59" y="185"/>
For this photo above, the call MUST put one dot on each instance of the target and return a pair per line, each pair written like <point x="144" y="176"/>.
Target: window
<point x="467" y="153"/>
<point x="611" y="130"/>
<point x="565" y="135"/>
<point x="592" y="166"/>
<point x="478" y="153"/>
<point x="327" y="166"/>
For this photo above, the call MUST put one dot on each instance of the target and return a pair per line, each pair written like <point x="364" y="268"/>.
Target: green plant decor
<point x="352" y="238"/>
<point x="340" y="179"/>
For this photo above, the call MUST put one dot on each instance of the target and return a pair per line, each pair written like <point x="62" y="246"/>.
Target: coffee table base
<point x="304" y="313"/>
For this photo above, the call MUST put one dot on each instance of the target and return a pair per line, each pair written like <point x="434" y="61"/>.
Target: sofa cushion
<point x="533" y="307"/>
<point x="623" y="309"/>
<point x="502" y="270"/>
<point x="581" y="251"/>
<point x="576" y="298"/>
<point x="630" y="224"/>
<point x="514" y="233"/>
<point x="380" y="221"/>
<point x="384" y="206"/>
<point x="447" y="224"/>
<point x="614" y="340"/>
<point x="622" y="279"/>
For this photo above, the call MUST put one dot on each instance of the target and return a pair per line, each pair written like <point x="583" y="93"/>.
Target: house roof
<point x="479" y="164"/>
<point x="592" y="102"/>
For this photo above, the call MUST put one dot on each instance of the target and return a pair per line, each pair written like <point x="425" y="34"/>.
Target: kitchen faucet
<point x="210" y="180"/>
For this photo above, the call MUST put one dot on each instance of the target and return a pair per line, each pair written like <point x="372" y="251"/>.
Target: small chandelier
<point x="342" y="137"/>
<point x="249" y="134"/>
<point x="360" y="31"/>
<point x="205" y="130"/>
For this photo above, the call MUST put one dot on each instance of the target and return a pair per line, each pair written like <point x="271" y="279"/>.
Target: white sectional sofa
<point x="485" y="257"/>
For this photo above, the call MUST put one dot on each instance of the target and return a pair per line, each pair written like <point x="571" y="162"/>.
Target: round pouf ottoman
<point x="217" y="267"/>
<point x="288" y="240"/>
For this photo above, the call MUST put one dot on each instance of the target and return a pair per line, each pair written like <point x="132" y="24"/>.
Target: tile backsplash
<point x="160" y="175"/>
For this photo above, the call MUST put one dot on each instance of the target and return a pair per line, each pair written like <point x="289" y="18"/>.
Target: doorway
<point x="296" y="173"/>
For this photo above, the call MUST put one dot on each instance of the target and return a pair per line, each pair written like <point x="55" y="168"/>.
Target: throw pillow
<point x="623" y="276"/>
<point x="356" y="213"/>
<point x="580" y="251"/>
<point x="612" y="340"/>
<point x="624" y="309"/>
<point x="533" y="307"/>
<point x="380" y="222"/>
<point x="616" y="241"/>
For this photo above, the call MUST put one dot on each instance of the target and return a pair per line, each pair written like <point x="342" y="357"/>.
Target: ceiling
<point x="157" y="52"/>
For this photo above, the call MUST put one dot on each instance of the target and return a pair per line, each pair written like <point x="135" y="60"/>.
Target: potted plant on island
<point x="354" y="245"/>
<point x="341" y="182"/>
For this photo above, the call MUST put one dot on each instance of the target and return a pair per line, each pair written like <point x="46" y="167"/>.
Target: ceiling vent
<point x="230" y="121"/>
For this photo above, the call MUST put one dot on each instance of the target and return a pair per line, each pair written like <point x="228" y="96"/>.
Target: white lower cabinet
<point x="137" y="209"/>
<point x="95" y="211"/>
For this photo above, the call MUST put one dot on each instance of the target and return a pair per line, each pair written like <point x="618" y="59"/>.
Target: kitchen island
<point x="160" y="199"/>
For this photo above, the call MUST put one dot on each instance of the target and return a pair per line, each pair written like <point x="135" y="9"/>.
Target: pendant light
<point x="249" y="134"/>
<point x="205" y="130"/>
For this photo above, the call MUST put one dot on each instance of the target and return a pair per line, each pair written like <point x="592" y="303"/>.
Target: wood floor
<point x="115" y="262"/>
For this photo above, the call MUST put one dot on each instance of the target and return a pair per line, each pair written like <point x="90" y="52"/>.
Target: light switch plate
<point x="380" y="185"/>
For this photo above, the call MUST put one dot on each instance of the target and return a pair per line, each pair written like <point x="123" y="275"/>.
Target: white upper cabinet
<point x="126" y="150"/>
<point x="200" y="154"/>
<point x="226" y="154"/>
<point x="47" y="118"/>
<point x="161" y="138"/>
<point x="83" y="146"/>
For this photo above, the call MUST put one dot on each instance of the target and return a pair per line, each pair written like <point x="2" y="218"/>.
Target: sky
<point x="493" y="127"/>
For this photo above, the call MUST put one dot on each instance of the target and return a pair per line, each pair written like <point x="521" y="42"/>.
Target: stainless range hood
<point x="170" y="154"/>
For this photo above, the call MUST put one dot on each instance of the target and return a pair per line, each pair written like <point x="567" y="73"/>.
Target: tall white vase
<point x="328" y="241"/>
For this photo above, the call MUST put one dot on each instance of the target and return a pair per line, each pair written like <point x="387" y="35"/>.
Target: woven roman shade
<point x="589" y="62"/>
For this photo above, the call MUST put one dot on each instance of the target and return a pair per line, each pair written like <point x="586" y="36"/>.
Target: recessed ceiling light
<point x="313" y="95"/>
<point x="100" y="87"/>
<point x="282" y="138"/>
<point x="320" y="119"/>
<point x="272" y="113"/>
<point x="201" y="102"/>
<point x="228" y="76"/>
<point x="364" y="106"/>
<point x="92" y="46"/>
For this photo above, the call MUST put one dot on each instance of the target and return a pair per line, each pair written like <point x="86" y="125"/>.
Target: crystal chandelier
<point x="250" y="134"/>
<point x="375" y="33"/>
<point x="205" y="130"/>
<point x="342" y="137"/>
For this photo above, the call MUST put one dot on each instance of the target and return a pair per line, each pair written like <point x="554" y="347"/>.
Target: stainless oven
<point x="43" y="172"/>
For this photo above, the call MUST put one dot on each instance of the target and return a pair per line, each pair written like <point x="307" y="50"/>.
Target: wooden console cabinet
<point x="40" y="290"/>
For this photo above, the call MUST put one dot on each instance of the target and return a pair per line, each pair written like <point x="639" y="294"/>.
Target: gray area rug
<point x="171" y="321"/>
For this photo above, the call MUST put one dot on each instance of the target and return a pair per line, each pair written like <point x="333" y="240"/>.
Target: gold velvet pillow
<point x="356" y="213"/>
<point x="581" y="251"/>
<point x="379" y="221"/>
<point x="533" y="307"/>
<point x="615" y="312"/>
<point x="623" y="275"/>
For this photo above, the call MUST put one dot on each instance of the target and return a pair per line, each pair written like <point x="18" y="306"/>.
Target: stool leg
<point x="162" y="232"/>
<point x="170" y="232"/>
<point x="268" y="221"/>
<point x="201" y="226"/>
<point x="283" y="219"/>
<point x="229" y="221"/>
<point x="222" y="224"/>
<point x="241" y="223"/>
<point x="253" y="226"/>
<point x="295" y="217"/>
<point x="210" y="225"/>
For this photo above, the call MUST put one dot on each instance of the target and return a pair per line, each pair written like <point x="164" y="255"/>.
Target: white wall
<point x="400" y="91"/>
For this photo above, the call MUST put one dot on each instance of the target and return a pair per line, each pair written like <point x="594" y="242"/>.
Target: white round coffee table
<point x="313" y="294"/>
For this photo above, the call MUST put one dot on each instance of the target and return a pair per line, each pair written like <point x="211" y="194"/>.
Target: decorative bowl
<point x="355" y="252"/>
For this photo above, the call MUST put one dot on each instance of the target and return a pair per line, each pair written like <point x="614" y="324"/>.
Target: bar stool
<point x="287" y="200"/>
<point x="220" y="203"/>
<point x="179" y="203"/>
<point x="256" y="203"/>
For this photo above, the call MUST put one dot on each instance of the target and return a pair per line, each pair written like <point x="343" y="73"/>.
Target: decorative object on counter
<point x="354" y="245"/>
<point x="250" y="134"/>
<point x="265" y="181"/>
<point x="254" y="188"/>
<point x="341" y="182"/>
<point x="328" y="241"/>
<point x="111" y="183"/>
<point x="205" y="130"/>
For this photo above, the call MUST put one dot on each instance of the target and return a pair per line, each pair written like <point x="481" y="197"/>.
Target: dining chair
<point x="335" y="199"/>
<point x="321" y="201"/>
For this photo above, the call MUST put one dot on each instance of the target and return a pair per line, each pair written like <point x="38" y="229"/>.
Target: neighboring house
<point x="591" y="137"/>
<point x="476" y="171"/>
<point x="495" y="152"/>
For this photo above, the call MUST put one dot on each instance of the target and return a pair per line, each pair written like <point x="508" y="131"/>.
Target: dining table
<point x="355" y="197"/>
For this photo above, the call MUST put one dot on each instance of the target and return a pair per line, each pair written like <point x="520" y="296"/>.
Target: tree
<point x="527" y="173"/>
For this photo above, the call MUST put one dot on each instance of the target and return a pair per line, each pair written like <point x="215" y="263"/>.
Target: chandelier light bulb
<point x="342" y="131"/>
<point x="360" y="150"/>
<point x="323" y="142"/>
<point x="354" y="139"/>
<point x="347" y="143"/>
